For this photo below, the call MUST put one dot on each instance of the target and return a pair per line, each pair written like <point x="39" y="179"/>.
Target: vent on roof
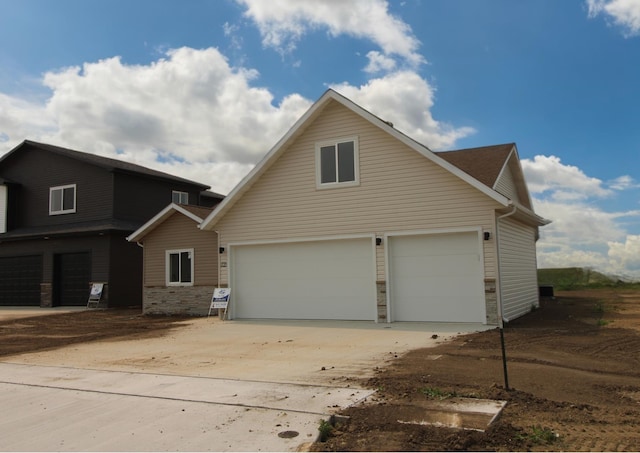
<point x="389" y="123"/>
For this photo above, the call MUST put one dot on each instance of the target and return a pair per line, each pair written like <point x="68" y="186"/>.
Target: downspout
<point x="499" y="262"/>
<point x="500" y="311"/>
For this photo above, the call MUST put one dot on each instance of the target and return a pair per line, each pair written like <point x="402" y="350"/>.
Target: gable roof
<point x="483" y="163"/>
<point x="488" y="163"/>
<point x="103" y="162"/>
<point x="314" y="111"/>
<point x="195" y="213"/>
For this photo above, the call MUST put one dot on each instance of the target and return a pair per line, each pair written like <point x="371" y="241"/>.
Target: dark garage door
<point x="20" y="278"/>
<point x="72" y="273"/>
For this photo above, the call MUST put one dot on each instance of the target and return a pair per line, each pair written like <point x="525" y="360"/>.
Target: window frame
<point x="181" y="194"/>
<point x="356" y="163"/>
<point x="62" y="189"/>
<point x="179" y="252"/>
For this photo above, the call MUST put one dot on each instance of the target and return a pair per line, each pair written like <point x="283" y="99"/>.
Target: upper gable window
<point x="180" y="197"/>
<point x="337" y="163"/>
<point x="62" y="199"/>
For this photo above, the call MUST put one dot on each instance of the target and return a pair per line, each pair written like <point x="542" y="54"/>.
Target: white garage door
<point x="307" y="280"/>
<point x="436" y="277"/>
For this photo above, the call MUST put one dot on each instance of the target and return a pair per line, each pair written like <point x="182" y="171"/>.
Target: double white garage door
<point x="431" y="278"/>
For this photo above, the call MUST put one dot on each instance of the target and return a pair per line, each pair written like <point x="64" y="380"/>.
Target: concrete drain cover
<point x="288" y="434"/>
<point x="464" y="413"/>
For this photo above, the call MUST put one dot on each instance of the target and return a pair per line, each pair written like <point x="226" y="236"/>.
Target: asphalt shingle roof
<point x="483" y="163"/>
<point x="105" y="162"/>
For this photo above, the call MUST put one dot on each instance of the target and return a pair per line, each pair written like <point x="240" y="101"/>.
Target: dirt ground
<point x="573" y="371"/>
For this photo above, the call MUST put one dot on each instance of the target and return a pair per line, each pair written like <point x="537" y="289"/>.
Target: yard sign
<point x="220" y="299"/>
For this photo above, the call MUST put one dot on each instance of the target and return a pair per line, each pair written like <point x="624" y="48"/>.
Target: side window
<point x="179" y="267"/>
<point x="180" y="197"/>
<point x="337" y="163"/>
<point x="62" y="199"/>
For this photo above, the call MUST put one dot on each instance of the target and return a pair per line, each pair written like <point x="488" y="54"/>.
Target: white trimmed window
<point x="179" y="267"/>
<point x="337" y="163"/>
<point x="62" y="199"/>
<point x="180" y="197"/>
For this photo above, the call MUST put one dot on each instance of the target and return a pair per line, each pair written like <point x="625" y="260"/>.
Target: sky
<point x="204" y="88"/>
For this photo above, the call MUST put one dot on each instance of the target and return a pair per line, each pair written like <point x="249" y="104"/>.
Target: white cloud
<point x="567" y="257"/>
<point x="583" y="233"/>
<point x="282" y="23"/>
<point x="20" y="118"/>
<point x="623" y="183"/>
<point x="623" y="13"/>
<point x="405" y="99"/>
<point x="547" y="174"/>
<point x="578" y="224"/>
<point x="379" y="62"/>
<point x="190" y="104"/>
<point x="191" y="114"/>
<point x="625" y="256"/>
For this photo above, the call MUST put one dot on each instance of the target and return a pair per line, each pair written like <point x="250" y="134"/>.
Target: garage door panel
<point x="421" y="267"/>
<point x="20" y="278"/>
<point x="429" y="284"/>
<point x="307" y="280"/>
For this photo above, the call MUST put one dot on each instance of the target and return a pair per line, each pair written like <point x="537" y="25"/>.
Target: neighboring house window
<point x="180" y="267"/>
<point x="62" y="199"/>
<point x="180" y="197"/>
<point x="337" y="163"/>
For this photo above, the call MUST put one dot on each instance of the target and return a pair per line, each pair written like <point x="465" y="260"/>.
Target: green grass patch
<point x="325" y="428"/>
<point x="571" y="278"/>
<point x="436" y="393"/>
<point x="540" y="435"/>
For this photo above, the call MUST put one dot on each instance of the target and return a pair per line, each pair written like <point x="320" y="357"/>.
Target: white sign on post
<point x="220" y="299"/>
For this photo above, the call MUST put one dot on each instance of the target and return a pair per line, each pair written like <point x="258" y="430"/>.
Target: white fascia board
<point x="186" y="212"/>
<point x="299" y="127"/>
<point x="528" y="216"/>
<point x="505" y="165"/>
<point x="521" y="181"/>
<point x="158" y="219"/>
<point x="264" y="164"/>
<point x="426" y="152"/>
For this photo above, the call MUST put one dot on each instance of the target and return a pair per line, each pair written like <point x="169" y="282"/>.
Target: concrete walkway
<point x="209" y="385"/>
<point x="67" y="409"/>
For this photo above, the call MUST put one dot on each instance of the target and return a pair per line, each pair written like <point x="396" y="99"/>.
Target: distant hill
<point x="576" y="277"/>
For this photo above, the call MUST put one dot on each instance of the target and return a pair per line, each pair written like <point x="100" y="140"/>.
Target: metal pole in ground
<point x="504" y="358"/>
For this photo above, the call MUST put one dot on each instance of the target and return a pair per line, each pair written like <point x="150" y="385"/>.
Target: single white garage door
<point x="304" y="280"/>
<point x="437" y="277"/>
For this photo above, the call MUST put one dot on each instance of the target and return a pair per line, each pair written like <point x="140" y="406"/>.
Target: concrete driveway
<point x="208" y="386"/>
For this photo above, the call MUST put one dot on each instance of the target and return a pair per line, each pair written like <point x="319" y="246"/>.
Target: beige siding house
<point x="180" y="261"/>
<point x="348" y="218"/>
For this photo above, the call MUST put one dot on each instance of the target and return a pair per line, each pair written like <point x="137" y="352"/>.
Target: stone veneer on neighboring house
<point x="178" y="300"/>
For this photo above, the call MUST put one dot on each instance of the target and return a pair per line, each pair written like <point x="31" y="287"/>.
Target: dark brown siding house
<point x="64" y="219"/>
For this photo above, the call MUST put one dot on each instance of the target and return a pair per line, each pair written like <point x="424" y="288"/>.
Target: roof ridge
<point x="108" y="162"/>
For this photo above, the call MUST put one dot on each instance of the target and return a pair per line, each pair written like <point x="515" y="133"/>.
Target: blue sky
<point x="203" y="89"/>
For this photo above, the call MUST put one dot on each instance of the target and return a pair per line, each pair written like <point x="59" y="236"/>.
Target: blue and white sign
<point x="220" y="298"/>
